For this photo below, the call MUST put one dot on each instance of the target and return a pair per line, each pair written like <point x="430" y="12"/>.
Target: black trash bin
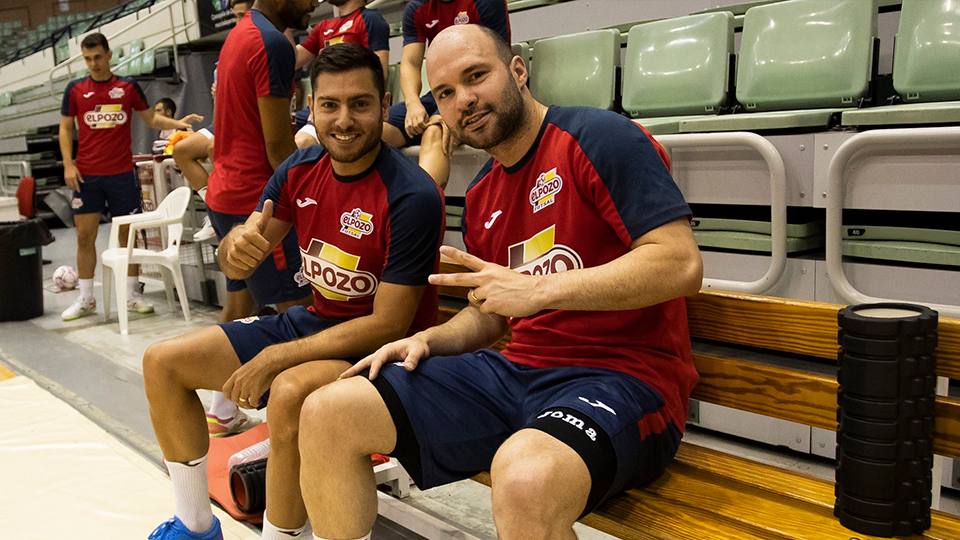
<point x="21" y="269"/>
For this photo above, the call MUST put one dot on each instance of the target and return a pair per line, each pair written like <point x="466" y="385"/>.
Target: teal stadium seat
<point x="6" y="99"/>
<point x="577" y="69"/>
<point x="523" y="51"/>
<point x="677" y="69"/>
<point x="135" y="67"/>
<point x="926" y="68"/>
<point x="394" y="82"/>
<point x="148" y="61"/>
<point x="800" y="63"/>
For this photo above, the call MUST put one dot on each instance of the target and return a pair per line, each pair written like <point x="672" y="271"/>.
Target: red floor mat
<point x="218" y="477"/>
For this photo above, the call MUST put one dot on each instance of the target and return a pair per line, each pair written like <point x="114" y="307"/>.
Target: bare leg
<point x="540" y="487"/>
<point x="340" y="426"/>
<point x="239" y="304"/>
<point x="172" y="370"/>
<point x="87" y="225"/>
<point x="188" y="154"/>
<point x="306" y="301"/>
<point x="432" y="158"/>
<point x="393" y="136"/>
<point x="285" y="507"/>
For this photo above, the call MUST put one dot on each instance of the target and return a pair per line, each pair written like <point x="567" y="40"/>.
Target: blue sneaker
<point x="174" y="529"/>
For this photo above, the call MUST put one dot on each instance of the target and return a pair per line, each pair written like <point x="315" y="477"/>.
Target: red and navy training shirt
<point x="256" y="61"/>
<point x="103" y="111"/>
<point x="364" y="27"/>
<point x="591" y="184"/>
<point x="424" y="19"/>
<point x="382" y="225"/>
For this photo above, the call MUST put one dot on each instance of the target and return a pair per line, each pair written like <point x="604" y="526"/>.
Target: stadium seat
<point x="926" y="68"/>
<point x="523" y="51"/>
<point x="6" y="99"/>
<point x="783" y="85"/>
<point x="394" y="82"/>
<point x="577" y="69"/>
<point x="677" y="69"/>
<point x="136" y="64"/>
<point x="148" y="61"/>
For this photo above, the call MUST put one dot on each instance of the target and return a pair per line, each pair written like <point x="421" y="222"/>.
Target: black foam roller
<point x="925" y="320"/>
<point x="248" y="485"/>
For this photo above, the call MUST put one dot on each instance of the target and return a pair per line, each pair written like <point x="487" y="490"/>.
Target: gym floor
<point x="90" y="366"/>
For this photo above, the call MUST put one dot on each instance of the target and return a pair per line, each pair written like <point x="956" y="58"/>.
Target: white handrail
<point x="174" y="30"/>
<point x="778" y="201"/>
<point x="891" y="141"/>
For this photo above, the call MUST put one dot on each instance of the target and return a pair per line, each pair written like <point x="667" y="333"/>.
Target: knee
<point x="432" y="138"/>
<point x="524" y="482"/>
<point x="86" y="239"/>
<point x="158" y="365"/>
<point x="327" y="417"/>
<point x="287" y="394"/>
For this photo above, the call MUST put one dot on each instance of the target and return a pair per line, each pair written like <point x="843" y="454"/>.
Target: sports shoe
<point x="79" y="308"/>
<point x="224" y="427"/>
<point x="206" y="232"/>
<point x="174" y="529"/>
<point x="138" y="304"/>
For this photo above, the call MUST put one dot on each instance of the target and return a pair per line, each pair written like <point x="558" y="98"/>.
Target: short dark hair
<point x="235" y="2"/>
<point x="344" y="57"/>
<point x="169" y="105"/>
<point x="94" y="40"/>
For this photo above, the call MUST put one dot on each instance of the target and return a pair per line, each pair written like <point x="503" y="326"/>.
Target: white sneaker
<point x="138" y="304"/>
<point x="206" y="232"/>
<point x="80" y="308"/>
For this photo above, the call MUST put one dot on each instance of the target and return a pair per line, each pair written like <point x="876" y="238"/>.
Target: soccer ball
<point x="65" y="278"/>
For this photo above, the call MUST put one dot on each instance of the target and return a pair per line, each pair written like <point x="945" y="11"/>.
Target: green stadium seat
<point x="783" y="85"/>
<point x="394" y="82"/>
<point x="6" y="99"/>
<point x="677" y="69"/>
<point x="148" y="62"/>
<point x="523" y="51"/>
<point x="577" y="69"/>
<point x="926" y="68"/>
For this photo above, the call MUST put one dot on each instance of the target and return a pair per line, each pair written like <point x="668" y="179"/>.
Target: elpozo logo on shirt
<point x="540" y="254"/>
<point x="356" y="223"/>
<point x="462" y="18"/>
<point x="544" y="192"/>
<point x="334" y="274"/>
<point x="105" y="117"/>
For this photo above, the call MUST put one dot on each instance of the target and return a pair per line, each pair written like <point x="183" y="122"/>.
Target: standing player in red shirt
<point x="585" y="255"/>
<point x="101" y="106"/>
<point x="369" y="223"/>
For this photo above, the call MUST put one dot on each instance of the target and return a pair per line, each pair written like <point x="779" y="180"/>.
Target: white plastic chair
<point x="115" y="259"/>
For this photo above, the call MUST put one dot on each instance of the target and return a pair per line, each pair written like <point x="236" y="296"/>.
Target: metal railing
<point x="174" y="30"/>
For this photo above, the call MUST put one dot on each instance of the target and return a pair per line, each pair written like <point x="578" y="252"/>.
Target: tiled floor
<point x="47" y="349"/>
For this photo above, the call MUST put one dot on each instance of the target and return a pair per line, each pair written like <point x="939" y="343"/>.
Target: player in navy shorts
<point x="585" y="256"/>
<point x="102" y="106"/>
<point x="369" y="224"/>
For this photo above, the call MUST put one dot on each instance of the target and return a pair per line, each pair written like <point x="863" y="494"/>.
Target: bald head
<point x="474" y="37"/>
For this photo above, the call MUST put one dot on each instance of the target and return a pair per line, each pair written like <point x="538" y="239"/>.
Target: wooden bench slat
<point x="799" y="486"/>
<point x="793" y="326"/>
<point x="807" y="398"/>
<point x="946" y="427"/>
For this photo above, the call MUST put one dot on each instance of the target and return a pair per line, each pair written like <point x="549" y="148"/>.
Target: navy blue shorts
<point x="251" y="335"/>
<point x="276" y="279"/>
<point x="453" y="412"/>
<point x="118" y="192"/>
<point x="398" y="114"/>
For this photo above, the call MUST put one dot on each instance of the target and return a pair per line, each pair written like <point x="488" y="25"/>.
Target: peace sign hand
<point x="495" y="289"/>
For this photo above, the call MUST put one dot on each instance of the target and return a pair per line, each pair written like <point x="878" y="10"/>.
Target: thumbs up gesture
<point x="249" y="246"/>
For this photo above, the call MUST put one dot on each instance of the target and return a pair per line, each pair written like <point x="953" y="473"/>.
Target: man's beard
<point x="506" y="118"/>
<point x="294" y="18"/>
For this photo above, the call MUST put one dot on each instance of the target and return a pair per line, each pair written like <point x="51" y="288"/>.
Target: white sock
<point x="133" y="286"/>
<point x="271" y="532"/>
<point x="86" y="289"/>
<point x="222" y="407"/>
<point x="203" y="193"/>
<point x="191" y="497"/>
<point x="367" y="537"/>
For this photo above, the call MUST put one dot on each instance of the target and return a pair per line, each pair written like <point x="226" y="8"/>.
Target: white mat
<point x="62" y="476"/>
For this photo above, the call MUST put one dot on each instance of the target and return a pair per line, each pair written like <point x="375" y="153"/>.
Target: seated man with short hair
<point x="369" y="223"/>
<point x="580" y="243"/>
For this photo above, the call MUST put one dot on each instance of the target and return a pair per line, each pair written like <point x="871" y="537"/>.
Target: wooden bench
<point x="707" y="494"/>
